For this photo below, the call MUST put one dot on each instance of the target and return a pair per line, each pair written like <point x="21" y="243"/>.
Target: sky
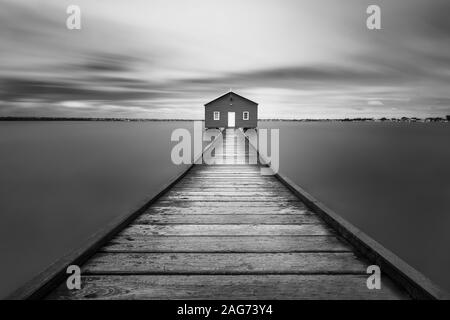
<point x="167" y="58"/>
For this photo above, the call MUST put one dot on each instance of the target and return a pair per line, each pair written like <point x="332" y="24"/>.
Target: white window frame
<point x="244" y="114"/>
<point x="216" y="115"/>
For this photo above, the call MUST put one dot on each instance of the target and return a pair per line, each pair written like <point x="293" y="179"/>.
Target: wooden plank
<point x="219" y="183"/>
<point x="230" y="187"/>
<point x="225" y="198"/>
<point x="226" y="151"/>
<point x="219" y="173"/>
<point x="227" y="219"/>
<point x="231" y="196"/>
<point x="227" y="177"/>
<point x="230" y="176"/>
<point x="252" y="171"/>
<point x="226" y="174"/>
<point x="232" y="287"/>
<point x="213" y="168"/>
<point x="230" y="153"/>
<point x="225" y="263"/>
<point x="235" y="204"/>
<point x="232" y="184"/>
<point x="208" y="180"/>
<point x="225" y="244"/>
<point x="227" y="230"/>
<point x="214" y="189"/>
<point x="231" y="161"/>
<point x="228" y="167"/>
<point x="225" y="180"/>
<point x="237" y="190"/>
<point x="274" y="210"/>
<point x="218" y="193"/>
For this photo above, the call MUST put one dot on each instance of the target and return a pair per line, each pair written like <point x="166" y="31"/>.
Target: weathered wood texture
<point x="167" y="208"/>
<point x="225" y="263"/>
<point x="226" y="287"/>
<point x="244" y="219"/>
<point x="231" y="204"/>
<point x="226" y="244"/>
<point x="227" y="232"/>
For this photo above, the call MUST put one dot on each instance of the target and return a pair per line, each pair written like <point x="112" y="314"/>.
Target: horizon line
<point x="383" y="118"/>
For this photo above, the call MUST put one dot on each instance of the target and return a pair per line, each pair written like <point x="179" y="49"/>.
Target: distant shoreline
<point x="87" y="119"/>
<point x="403" y="119"/>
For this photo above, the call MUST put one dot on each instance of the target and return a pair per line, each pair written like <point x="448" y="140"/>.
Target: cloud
<point x="433" y="19"/>
<point x="108" y="63"/>
<point x="19" y="89"/>
<point x="375" y="103"/>
<point x="168" y="59"/>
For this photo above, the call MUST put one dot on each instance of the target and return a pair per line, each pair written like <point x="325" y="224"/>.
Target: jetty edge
<point x="414" y="282"/>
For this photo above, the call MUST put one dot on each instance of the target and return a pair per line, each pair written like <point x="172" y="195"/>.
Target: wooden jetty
<point x="227" y="232"/>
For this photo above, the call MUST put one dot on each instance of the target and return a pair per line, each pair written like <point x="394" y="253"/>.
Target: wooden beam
<point x="230" y="244"/>
<point x="231" y="287"/>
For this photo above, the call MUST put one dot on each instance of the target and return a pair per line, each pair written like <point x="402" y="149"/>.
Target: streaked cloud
<point x="375" y="103"/>
<point x="166" y="58"/>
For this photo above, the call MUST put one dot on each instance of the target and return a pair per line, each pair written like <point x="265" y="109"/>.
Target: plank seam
<point x="175" y="273"/>
<point x="222" y="252"/>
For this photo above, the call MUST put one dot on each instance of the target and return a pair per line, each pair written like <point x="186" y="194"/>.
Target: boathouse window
<point x="216" y="115"/>
<point x="245" y="115"/>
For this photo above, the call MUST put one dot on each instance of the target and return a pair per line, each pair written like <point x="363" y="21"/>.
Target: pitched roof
<point x="230" y="92"/>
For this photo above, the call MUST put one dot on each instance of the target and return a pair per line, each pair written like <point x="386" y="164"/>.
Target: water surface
<point x="63" y="181"/>
<point x="391" y="180"/>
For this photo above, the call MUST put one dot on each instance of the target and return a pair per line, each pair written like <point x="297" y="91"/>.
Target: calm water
<point x="61" y="181"/>
<point x="392" y="180"/>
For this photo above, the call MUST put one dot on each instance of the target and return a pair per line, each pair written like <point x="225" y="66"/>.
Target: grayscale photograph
<point x="225" y="158"/>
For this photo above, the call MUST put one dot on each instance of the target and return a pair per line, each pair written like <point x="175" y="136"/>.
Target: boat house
<point x="231" y="111"/>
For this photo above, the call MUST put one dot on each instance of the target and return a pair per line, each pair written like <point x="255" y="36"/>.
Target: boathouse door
<point x="231" y="119"/>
